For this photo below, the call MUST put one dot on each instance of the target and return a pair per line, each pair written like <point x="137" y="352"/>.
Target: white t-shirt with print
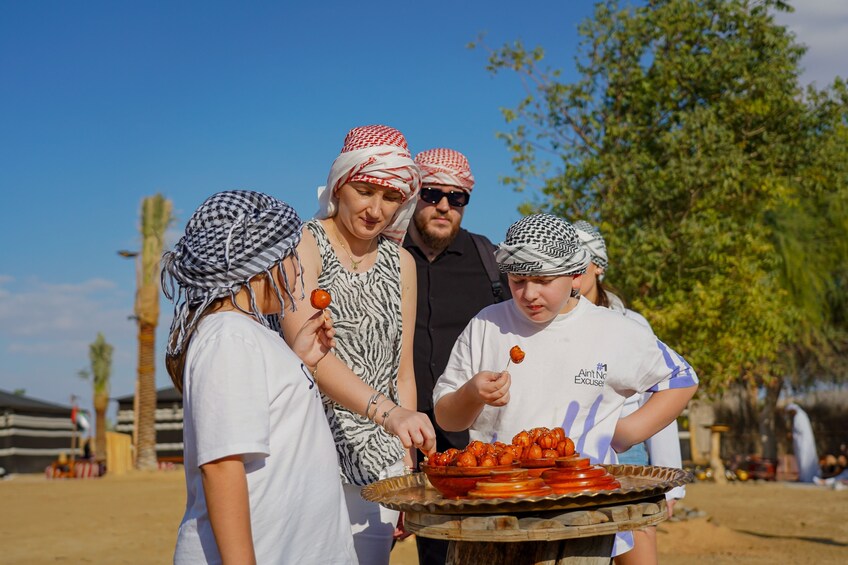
<point x="664" y="446"/>
<point x="578" y="371"/>
<point x="246" y="393"/>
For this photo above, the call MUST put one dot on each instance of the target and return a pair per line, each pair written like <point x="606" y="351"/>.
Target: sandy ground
<point x="133" y="519"/>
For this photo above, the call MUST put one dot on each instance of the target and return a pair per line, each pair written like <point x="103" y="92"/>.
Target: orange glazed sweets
<point x="320" y="299"/>
<point x="476" y="454"/>
<point x="516" y="354"/>
<point x="536" y="443"/>
<point x="542" y="442"/>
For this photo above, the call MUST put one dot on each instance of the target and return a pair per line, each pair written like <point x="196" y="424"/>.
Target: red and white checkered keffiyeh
<point x="445" y="167"/>
<point x="377" y="155"/>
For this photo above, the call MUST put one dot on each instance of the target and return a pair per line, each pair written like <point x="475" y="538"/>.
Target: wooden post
<point x="694" y="453"/>
<point x="73" y="429"/>
<point x="73" y="444"/>
<point x="715" y="453"/>
<point x="701" y="415"/>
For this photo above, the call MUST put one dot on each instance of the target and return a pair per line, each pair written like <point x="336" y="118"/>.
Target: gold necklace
<point x="354" y="265"/>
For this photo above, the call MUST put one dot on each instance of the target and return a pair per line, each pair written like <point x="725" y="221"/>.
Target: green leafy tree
<point x="100" y="355"/>
<point x="719" y="183"/>
<point x="155" y="219"/>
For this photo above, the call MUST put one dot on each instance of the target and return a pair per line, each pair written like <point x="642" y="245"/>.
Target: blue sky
<point x="103" y="103"/>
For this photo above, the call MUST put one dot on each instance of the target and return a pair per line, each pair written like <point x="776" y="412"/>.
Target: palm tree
<point x="155" y="219"/>
<point x="100" y="354"/>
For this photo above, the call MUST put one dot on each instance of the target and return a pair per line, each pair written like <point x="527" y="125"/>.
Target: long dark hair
<point x="603" y="297"/>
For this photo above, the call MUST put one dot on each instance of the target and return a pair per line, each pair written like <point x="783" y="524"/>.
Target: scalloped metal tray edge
<point x="411" y="493"/>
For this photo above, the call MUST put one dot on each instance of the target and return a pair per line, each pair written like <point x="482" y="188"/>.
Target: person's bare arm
<point x="456" y="411"/>
<point x="657" y="413"/>
<point x="336" y="379"/>
<point x="407" y="393"/>
<point x="225" y="488"/>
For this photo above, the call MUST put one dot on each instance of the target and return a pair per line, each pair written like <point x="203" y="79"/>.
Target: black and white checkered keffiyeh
<point x="542" y="245"/>
<point x="592" y="240"/>
<point x="232" y="237"/>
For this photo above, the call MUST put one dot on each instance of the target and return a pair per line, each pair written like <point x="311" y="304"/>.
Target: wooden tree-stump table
<point x="567" y="529"/>
<point x="572" y="537"/>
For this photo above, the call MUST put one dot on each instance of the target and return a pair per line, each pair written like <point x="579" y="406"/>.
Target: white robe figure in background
<point x="803" y="443"/>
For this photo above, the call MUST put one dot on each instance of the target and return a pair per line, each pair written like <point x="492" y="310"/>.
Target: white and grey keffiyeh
<point x="232" y="237"/>
<point x="542" y="245"/>
<point x="592" y="240"/>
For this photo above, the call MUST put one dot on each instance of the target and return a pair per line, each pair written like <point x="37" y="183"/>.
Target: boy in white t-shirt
<point x="260" y="462"/>
<point x="582" y="362"/>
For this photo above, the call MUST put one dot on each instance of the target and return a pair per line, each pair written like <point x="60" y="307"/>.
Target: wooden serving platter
<point x="413" y="493"/>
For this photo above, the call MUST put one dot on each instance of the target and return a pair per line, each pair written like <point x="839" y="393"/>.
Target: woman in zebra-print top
<point x="368" y="382"/>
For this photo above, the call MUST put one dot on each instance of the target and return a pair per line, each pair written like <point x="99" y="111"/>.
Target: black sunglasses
<point x="456" y="198"/>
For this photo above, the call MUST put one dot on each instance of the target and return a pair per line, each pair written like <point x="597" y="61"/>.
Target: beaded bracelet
<point x="386" y="416"/>
<point x="377" y="408"/>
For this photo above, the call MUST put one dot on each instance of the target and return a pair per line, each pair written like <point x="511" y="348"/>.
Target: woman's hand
<point x="412" y="428"/>
<point x="491" y="388"/>
<point x="315" y="339"/>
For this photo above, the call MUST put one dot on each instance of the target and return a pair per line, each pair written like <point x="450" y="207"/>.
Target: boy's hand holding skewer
<point x="493" y="388"/>
<point x="486" y="388"/>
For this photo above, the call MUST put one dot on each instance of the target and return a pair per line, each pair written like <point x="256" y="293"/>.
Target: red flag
<point x="74" y="414"/>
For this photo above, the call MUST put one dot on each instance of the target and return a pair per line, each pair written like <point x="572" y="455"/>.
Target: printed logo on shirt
<point x="592" y="377"/>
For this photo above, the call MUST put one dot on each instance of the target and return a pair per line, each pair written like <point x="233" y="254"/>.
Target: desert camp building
<point x="33" y="433"/>
<point x="169" y="422"/>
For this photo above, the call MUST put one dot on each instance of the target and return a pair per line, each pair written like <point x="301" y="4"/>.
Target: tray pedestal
<point x="577" y="537"/>
<point x="586" y="551"/>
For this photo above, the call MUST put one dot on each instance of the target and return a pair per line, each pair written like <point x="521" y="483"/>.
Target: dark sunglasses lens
<point x="431" y="195"/>
<point x="457" y="199"/>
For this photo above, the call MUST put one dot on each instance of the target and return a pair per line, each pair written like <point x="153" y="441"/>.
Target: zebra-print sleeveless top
<point x="366" y="311"/>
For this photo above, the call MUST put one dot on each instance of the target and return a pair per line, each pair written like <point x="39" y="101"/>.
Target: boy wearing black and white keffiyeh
<point x="581" y="361"/>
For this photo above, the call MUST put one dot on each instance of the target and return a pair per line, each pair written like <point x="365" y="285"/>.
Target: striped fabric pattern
<point x="79" y="470"/>
<point x="232" y="237"/>
<point x="592" y="240"/>
<point x="542" y="245"/>
<point x="377" y="155"/>
<point x="682" y="374"/>
<point x="446" y="167"/>
<point x="366" y="312"/>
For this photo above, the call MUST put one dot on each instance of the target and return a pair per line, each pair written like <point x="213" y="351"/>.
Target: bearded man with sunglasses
<point x="457" y="277"/>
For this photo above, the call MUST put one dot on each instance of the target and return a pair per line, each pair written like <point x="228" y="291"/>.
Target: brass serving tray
<point x="413" y="493"/>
